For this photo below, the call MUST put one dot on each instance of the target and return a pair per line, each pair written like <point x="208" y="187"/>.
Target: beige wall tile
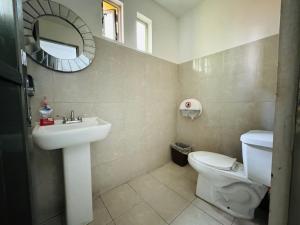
<point x="265" y="114"/>
<point x="135" y="92"/>
<point x="75" y="87"/>
<point x="47" y="183"/>
<point x="237" y="89"/>
<point x="43" y="81"/>
<point x="84" y="109"/>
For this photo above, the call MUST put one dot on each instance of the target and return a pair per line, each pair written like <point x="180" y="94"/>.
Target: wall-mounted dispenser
<point x="190" y="108"/>
<point x="30" y="85"/>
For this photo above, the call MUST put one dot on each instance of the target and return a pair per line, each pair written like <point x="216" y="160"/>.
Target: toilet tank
<point x="257" y="148"/>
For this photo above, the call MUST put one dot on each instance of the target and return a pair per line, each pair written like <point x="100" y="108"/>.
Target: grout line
<point x="215" y="219"/>
<point x="60" y="214"/>
<point x="126" y="211"/>
<point x="100" y="197"/>
<point x="110" y="223"/>
<point x="211" y="215"/>
<point x="179" y="214"/>
<point x="147" y="202"/>
<point x="125" y="182"/>
<point x="191" y="202"/>
<point x="169" y="187"/>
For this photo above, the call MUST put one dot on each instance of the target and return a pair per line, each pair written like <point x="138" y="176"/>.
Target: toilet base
<point x="238" y="199"/>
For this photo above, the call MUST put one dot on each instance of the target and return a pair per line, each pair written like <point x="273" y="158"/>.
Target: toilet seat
<point x="218" y="161"/>
<point x="233" y="169"/>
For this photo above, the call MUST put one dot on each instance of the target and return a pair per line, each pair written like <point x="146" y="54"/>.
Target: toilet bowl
<point x="225" y="183"/>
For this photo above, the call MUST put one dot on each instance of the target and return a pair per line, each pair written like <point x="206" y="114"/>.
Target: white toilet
<point x="231" y="186"/>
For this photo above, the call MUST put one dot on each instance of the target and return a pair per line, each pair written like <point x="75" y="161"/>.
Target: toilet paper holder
<point x="190" y="108"/>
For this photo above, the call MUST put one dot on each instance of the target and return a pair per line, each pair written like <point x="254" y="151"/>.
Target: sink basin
<point x="75" y="141"/>
<point x="62" y="135"/>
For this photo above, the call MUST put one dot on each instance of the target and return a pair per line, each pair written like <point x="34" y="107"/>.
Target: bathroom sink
<point x="62" y="135"/>
<point x="74" y="139"/>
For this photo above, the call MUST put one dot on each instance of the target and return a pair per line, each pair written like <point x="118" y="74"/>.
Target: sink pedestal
<point x="74" y="139"/>
<point x="78" y="184"/>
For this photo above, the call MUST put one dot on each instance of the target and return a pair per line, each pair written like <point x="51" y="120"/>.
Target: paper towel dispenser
<point x="190" y="108"/>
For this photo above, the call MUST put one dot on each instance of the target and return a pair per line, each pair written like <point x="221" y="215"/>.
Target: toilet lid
<point x="218" y="161"/>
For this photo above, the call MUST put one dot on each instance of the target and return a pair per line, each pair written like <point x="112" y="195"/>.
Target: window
<point x="143" y="33"/>
<point x="112" y="19"/>
<point x="59" y="49"/>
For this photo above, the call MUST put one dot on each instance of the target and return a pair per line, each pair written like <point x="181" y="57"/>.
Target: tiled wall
<point x="135" y="92"/>
<point x="237" y="89"/>
<point x="139" y="95"/>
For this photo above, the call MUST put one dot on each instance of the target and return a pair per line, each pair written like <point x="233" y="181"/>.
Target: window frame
<point x="120" y="19"/>
<point x="148" y="24"/>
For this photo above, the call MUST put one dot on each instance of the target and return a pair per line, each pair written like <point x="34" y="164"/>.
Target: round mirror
<point x="56" y="37"/>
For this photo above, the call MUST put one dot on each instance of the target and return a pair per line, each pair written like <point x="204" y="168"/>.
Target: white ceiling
<point x="178" y="7"/>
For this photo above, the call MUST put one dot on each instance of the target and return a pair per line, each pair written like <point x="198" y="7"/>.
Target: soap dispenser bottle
<point x="45" y="112"/>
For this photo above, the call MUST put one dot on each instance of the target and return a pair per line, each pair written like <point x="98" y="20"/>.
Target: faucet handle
<point x="72" y="116"/>
<point x="80" y="118"/>
<point x="63" y="118"/>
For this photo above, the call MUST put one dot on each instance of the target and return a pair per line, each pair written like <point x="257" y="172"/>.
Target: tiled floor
<point x="164" y="196"/>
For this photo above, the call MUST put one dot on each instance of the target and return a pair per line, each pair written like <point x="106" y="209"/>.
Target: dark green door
<point x="8" y="33"/>
<point x="14" y="189"/>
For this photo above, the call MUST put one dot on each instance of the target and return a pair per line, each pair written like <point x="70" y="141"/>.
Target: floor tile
<point x="249" y="222"/>
<point x="111" y="223"/>
<point x="166" y="195"/>
<point x="57" y="220"/>
<point x="120" y="199"/>
<point x="184" y="187"/>
<point x="167" y="203"/>
<point x="261" y="218"/>
<point x="214" y="212"/>
<point x="140" y="214"/>
<point x="166" y="173"/>
<point x="101" y="215"/>
<point x="194" y="216"/>
<point x="191" y="174"/>
<point x="175" y="178"/>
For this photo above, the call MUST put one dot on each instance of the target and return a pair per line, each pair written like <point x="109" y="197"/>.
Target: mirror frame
<point x="32" y="11"/>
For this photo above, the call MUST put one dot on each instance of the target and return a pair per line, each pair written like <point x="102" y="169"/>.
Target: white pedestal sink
<point x="75" y="141"/>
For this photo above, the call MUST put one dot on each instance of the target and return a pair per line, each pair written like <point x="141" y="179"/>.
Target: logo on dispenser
<point x="188" y="104"/>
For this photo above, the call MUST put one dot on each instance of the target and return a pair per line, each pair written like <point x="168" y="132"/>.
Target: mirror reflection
<point x="58" y="37"/>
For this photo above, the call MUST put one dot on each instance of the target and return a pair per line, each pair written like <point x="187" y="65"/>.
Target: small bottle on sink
<point x="45" y="112"/>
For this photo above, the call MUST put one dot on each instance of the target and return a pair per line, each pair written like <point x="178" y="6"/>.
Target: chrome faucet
<point x="72" y="118"/>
